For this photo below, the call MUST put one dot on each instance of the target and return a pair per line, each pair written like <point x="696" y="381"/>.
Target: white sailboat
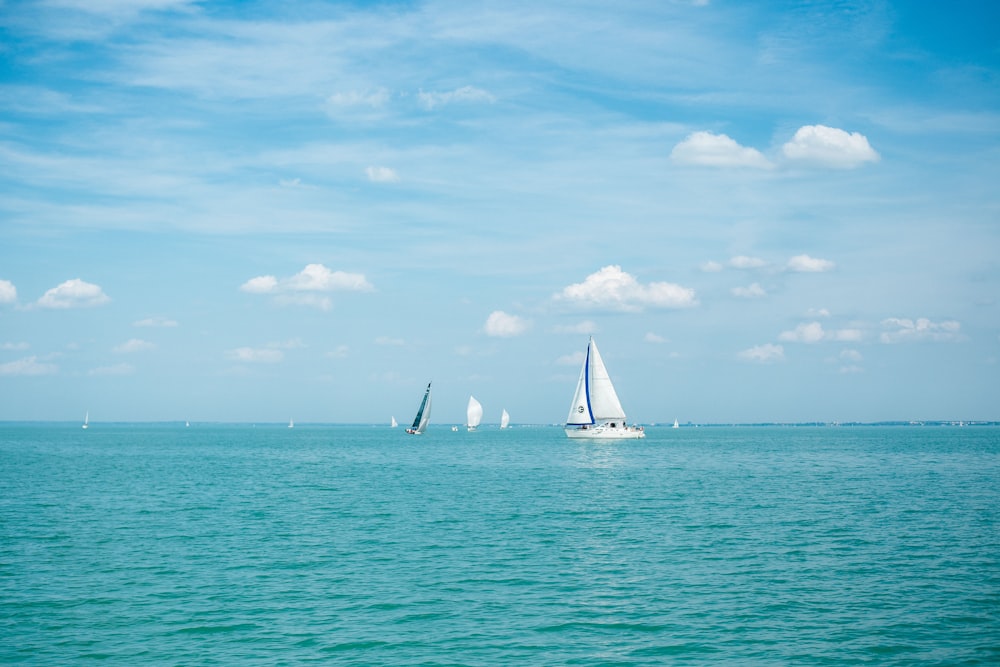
<point x="291" y="423"/>
<point x="504" y="419"/>
<point x="596" y="412"/>
<point x="423" y="414"/>
<point x="676" y="425"/>
<point x="393" y="423"/>
<point x="86" y="420"/>
<point x="473" y="414"/>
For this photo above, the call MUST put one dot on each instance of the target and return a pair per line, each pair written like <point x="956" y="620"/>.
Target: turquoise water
<point x="221" y="545"/>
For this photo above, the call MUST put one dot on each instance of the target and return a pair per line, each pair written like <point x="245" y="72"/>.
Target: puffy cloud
<point x="813" y="332"/>
<point x="155" y="322"/>
<point x="753" y="291"/>
<point x="503" y="325"/>
<point x="613" y="289"/>
<point x="381" y="175"/>
<point x="135" y="345"/>
<point x="8" y="293"/>
<point x="824" y="146"/>
<point x="466" y="94"/>
<point x="28" y="366"/>
<point x="907" y="330"/>
<point x="256" y="355"/>
<point x="764" y="354"/>
<point x="807" y="264"/>
<point x="305" y="288"/>
<point x="73" y="293"/>
<point x="717" y="150"/>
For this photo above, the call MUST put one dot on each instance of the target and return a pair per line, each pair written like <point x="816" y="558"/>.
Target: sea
<point x="242" y="544"/>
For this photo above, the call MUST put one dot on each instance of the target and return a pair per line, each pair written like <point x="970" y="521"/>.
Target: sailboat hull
<point x="605" y="432"/>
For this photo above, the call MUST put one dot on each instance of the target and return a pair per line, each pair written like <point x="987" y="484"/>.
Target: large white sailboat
<point x="596" y="412"/>
<point x="504" y="419"/>
<point x="423" y="414"/>
<point x="473" y="414"/>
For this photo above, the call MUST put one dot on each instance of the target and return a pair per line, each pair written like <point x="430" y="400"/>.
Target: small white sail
<point x="393" y="423"/>
<point x="473" y="413"/>
<point x="676" y="425"/>
<point x="504" y="419"/>
<point x="291" y="423"/>
<point x="86" y="419"/>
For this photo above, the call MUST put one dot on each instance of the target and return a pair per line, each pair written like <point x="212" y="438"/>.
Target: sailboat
<point x="504" y="419"/>
<point x="393" y="423"/>
<point x="596" y="412"/>
<point x="423" y="414"/>
<point x="86" y="419"/>
<point x="473" y="413"/>
<point x="291" y="423"/>
<point x="676" y="425"/>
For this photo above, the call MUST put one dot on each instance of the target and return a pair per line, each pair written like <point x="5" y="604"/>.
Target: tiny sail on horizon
<point x="473" y="413"/>
<point x="504" y="419"/>
<point x="423" y="414"/>
<point x="86" y="420"/>
<point x="393" y="423"/>
<point x="596" y="411"/>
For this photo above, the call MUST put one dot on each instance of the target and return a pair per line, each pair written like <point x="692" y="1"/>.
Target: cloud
<point x="115" y="369"/>
<point x="28" y="366"/>
<point x="14" y="346"/>
<point x="256" y="355"/>
<point x="753" y="291"/>
<point x="155" y="322"/>
<point x="823" y="146"/>
<point x="135" y="345"/>
<point x="807" y="264"/>
<point x="306" y="286"/>
<point x="584" y="327"/>
<point x="717" y="150"/>
<point x="744" y="262"/>
<point x="374" y="99"/>
<point x="465" y="94"/>
<point x="850" y="355"/>
<point x="651" y="337"/>
<point x="575" y="359"/>
<point x="339" y="352"/>
<point x="813" y="332"/>
<point x="382" y="175"/>
<point x="711" y="267"/>
<point x="906" y="330"/>
<point x="73" y="293"/>
<point x="502" y="325"/>
<point x="388" y="340"/>
<point x="8" y="293"/>
<point x="612" y="289"/>
<point x="764" y="354"/>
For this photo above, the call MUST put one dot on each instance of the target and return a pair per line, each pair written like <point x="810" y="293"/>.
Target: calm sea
<point x="131" y="544"/>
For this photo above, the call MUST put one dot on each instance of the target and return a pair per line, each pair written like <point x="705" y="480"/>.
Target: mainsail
<point x="595" y="399"/>
<point x="473" y="413"/>
<point x="423" y="414"/>
<point x="504" y="419"/>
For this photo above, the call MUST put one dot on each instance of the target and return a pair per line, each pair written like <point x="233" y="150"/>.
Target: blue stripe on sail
<point x="586" y="381"/>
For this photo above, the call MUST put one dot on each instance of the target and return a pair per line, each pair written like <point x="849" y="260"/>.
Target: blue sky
<point x="782" y="211"/>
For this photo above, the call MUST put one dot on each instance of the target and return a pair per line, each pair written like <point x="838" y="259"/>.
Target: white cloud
<point x="14" y="346"/>
<point x="28" y="366"/>
<point x="813" y="332"/>
<point x="73" y="293"/>
<point x="155" y="322"/>
<point x="388" y="340"/>
<point x="306" y="286"/>
<point x="575" y="359"/>
<point x="907" y="330"/>
<point x="466" y="94"/>
<point x="503" y="325"/>
<point x="753" y="291"/>
<point x="584" y="327"/>
<point x="256" y="355"/>
<point x="818" y="312"/>
<point x="765" y="354"/>
<point x="651" y="337"/>
<point x="807" y="264"/>
<point x="711" y="267"/>
<point x="382" y="175"/>
<point x="374" y="99"/>
<point x="850" y="355"/>
<point x="135" y="345"/>
<point x="290" y="344"/>
<point x="613" y="289"/>
<point x="8" y="293"/>
<point x="829" y="147"/>
<point x="717" y="150"/>
<point x="114" y="369"/>
<point x="339" y="352"/>
<point x="744" y="262"/>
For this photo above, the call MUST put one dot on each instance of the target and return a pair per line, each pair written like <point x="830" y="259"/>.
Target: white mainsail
<point x="504" y="419"/>
<point x="86" y="419"/>
<point x="393" y="423"/>
<point x="596" y="411"/>
<point x="473" y="413"/>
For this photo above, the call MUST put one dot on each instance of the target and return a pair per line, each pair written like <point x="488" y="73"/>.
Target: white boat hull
<point x="605" y="432"/>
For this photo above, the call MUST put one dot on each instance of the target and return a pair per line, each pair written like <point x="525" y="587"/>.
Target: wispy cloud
<point x="114" y="369"/>
<point x="73" y="293"/>
<point x="164" y="322"/>
<point x="14" y="346"/>
<point x="717" y="150"/>
<point x="584" y="327"/>
<point x="764" y="354"/>
<point x="28" y="366"/>
<point x="134" y="345"/>
<point x="807" y="264"/>
<point x="822" y="146"/>
<point x="904" y="330"/>
<point x="752" y="291"/>
<point x="256" y="355"/>
<point x="610" y="288"/>
<point x="503" y="325"/>
<point x="745" y="262"/>
<point x="651" y="337"/>
<point x="382" y="175"/>
<point x="465" y="94"/>
<point x="390" y="341"/>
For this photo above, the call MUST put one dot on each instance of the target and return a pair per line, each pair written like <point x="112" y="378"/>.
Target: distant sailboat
<point x="291" y="423"/>
<point x="504" y="419"/>
<point x="393" y="424"/>
<point x="86" y="420"/>
<point x="473" y="413"/>
<point x="186" y="424"/>
<point x="676" y="425"/>
<point x="596" y="412"/>
<point x="423" y="414"/>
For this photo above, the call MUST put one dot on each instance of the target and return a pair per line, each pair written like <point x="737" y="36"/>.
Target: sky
<point x="262" y="211"/>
